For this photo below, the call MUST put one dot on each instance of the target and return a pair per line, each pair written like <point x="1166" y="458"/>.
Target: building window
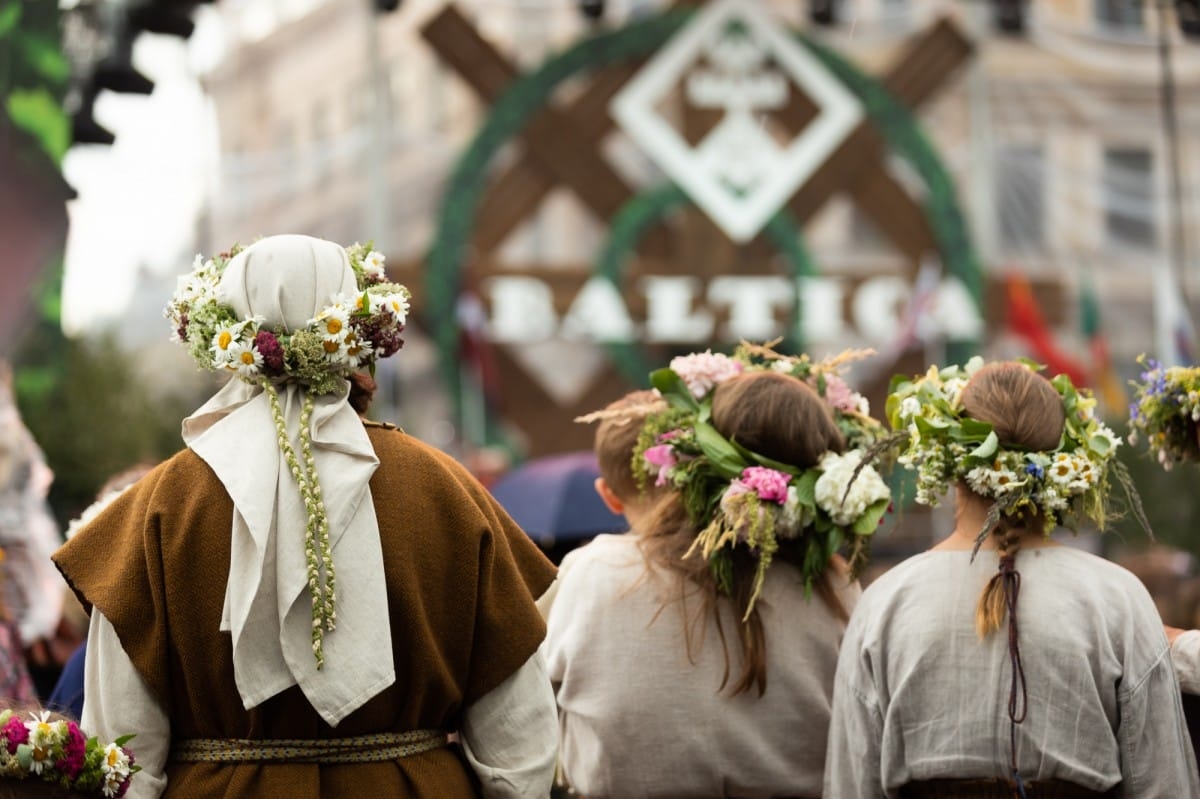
<point x="1021" y="196"/>
<point x="1119" y="14"/>
<point x="1129" y="196"/>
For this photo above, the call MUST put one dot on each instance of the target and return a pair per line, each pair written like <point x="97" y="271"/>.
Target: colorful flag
<point x="1025" y="319"/>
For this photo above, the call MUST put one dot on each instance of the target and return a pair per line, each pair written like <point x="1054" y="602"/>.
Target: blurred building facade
<point x="342" y="123"/>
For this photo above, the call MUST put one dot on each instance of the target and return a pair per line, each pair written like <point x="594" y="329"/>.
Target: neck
<point x="970" y="514"/>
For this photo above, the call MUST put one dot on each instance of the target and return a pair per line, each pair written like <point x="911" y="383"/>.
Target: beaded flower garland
<point x="1166" y="411"/>
<point x="351" y="332"/>
<point x="739" y="498"/>
<point x="943" y="445"/>
<point x="58" y="752"/>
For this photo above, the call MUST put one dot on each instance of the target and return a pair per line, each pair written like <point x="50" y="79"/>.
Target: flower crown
<point x="739" y="498"/>
<point x="350" y="333"/>
<point x="1166" y="410"/>
<point x="58" y="752"/>
<point x="944" y="445"/>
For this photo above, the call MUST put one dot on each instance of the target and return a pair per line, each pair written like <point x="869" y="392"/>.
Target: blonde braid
<point x="992" y="607"/>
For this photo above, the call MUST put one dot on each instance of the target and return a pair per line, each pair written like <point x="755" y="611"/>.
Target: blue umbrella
<point x="554" y="498"/>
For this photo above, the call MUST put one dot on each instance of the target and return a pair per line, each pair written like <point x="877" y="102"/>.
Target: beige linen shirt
<point x="920" y="697"/>
<point x="639" y="718"/>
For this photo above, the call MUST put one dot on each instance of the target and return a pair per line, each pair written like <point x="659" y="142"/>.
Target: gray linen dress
<point x="918" y="696"/>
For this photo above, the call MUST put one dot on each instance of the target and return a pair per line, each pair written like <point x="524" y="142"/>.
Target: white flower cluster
<point x="116" y="769"/>
<point x="837" y="472"/>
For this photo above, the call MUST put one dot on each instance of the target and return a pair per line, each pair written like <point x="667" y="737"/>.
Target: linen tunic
<point x="461" y="579"/>
<point x="640" y="719"/>
<point x="920" y="697"/>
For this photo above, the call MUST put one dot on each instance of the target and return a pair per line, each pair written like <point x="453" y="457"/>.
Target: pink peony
<point x="701" y="371"/>
<point x="770" y="485"/>
<point x="16" y="733"/>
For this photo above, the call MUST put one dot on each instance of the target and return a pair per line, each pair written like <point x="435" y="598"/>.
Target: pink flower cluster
<point x="15" y="733"/>
<point x="663" y="456"/>
<point x="769" y="484"/>
<point x="701" y="371"/>
<point x="839" y="395"/>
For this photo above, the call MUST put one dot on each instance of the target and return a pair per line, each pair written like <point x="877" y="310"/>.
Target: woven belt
<point x="358" y="749"/>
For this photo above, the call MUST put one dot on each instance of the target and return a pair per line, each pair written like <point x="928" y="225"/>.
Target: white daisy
<point x="373" y="264"/>
<point x="245" y="359"/>
<point x="333" y="324"/>
<point x="224" y="338"/>
<point x="358" y="351"/>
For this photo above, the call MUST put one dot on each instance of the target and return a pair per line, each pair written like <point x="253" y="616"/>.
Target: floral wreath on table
<point x="58" y="752"/>
<point x="943" y="445"/>
<point x="351" y="332"/>
<point x="1166" y="410"/>
<point x="738" y="498"/>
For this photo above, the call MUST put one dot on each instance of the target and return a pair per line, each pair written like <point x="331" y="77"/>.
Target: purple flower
<point x="74" y="751"/>
<point x="384" y="335"/>
<point x="272" y="352"/>
<point x="1035" y="470"/>
<point x="770" y="485"/>
<point x="16" y="733"/>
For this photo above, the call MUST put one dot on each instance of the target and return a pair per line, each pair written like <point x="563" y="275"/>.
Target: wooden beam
<point x="922" y="69"/>
<point x="552" y="136"/>
<point x="520" y="188"/>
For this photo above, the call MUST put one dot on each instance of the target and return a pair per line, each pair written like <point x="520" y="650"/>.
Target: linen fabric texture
<point x="920" y="697"/>
<point x="640" y="719"/>
<point x="460" y="582"/>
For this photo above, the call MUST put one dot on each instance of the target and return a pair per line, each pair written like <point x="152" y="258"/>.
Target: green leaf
<point x="720" y="453"/>
<point x="868" y="523"/>
<point x="10" y="15"/>
<point x="971" y="430"/>
<point x="806" y="488"/>
<point x="673" y="389"/>
<point x="37" y="112"/>
<point x="1099" y="444"/>
<point x="987" y="449"/>
<point x="762" y="460"/>
<point x="44" y="56"/>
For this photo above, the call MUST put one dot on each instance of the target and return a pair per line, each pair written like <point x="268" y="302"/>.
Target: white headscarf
<point x="287" y="280"/>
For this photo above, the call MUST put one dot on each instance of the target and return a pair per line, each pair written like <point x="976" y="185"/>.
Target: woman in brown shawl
<point x="301" y="604"/>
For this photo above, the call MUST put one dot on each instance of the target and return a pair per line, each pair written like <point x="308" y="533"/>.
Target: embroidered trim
<point x="357" y="749"/>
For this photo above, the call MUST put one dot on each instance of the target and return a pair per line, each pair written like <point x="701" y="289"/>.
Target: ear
<point x="611" y="500"/>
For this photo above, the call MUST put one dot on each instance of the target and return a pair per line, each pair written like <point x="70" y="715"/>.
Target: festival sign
<point x="735" y="59"/>
<point x="755" y="127"/>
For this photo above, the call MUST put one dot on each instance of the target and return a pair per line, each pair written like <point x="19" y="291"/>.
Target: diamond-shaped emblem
<point x="736" y="59"/>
